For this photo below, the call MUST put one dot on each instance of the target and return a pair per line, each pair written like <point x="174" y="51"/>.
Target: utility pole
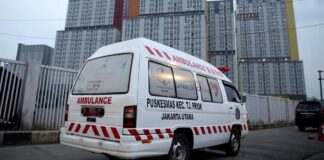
<point x="320" y="80"/>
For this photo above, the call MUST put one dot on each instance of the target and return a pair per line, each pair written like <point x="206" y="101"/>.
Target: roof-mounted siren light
<point x="223" y="69"/>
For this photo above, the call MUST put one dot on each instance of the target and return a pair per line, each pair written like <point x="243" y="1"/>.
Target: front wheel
<point x="180" y="149"/>
<point x="234" y="143"/>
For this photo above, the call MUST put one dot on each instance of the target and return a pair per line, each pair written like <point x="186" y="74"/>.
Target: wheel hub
<point x="235" y="143"/>
<point x="178" y="152"/>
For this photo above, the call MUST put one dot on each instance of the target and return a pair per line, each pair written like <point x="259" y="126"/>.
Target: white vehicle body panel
<point x="157" y="117"/>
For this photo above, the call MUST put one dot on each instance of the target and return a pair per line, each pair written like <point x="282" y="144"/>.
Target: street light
<point x="320" y="80"/>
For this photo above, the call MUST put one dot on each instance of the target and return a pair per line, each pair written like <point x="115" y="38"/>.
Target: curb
<point x="28" y="137"/>
<point x="269" y="126"/>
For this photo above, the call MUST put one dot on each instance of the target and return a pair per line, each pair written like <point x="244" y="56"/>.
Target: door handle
<point x="231" y="108"/>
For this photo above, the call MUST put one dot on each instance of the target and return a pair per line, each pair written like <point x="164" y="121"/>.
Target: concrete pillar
<point x="269" y="109"/>
<point x="287" y="110"/>
<point x="29" y="95"/>
<point x="257" y="109"/>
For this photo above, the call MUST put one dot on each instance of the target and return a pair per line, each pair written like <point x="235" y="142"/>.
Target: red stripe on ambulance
<point x="98" y="131"/>
<point x="215" y="130"/>
<point x="168" y="130"/>
<point x="149" y="50"/>
<point x="71" y="127"/>
<point x="202" y="130"/>
<point x="158" y="52"/>
<point x="166" y="55"/>
<point x="77" y="129"/>
<point x="104" y="131"/>
<point x="205" y="130"/>
<point x="95" y="130"/>
<point x="225" y="130"/>
<point x="86" y="128"/>
<point x="135" y="134"/>
<point x="209" y="131"/>
<point x="148" y="134"/>
<point x="158" y="131"/>
<point x="196" y="131"/>
<point x="220" y="129"/>
<point x="115" y="133"/>
<point x="182" y="61"/>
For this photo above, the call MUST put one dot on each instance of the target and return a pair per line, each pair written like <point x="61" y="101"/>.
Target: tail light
<point x="66" y="115"/>
<point x="130" y="117"/>
<point x="322" y="111"/>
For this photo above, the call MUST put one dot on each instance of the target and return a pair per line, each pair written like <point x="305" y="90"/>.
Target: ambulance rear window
<point x="105" y="75"/>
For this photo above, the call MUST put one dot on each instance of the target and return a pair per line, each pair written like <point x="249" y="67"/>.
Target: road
<point x="281" y="143"/>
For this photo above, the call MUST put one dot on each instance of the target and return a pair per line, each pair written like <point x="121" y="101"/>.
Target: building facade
<point x="267" y="49"/>
<point x="90" y="24"/>
<point x="178" y="24"/>
<point x="221" y="36"/>
<point x="41" y="54"/>
<point x="256" y="39"/>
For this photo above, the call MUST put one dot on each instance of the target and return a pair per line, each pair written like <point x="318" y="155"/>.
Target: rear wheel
<point x="234" y="143"/>
<point x="180" y="149"/>
<point x="111" y="157"/>
<point x="301" y="128"/>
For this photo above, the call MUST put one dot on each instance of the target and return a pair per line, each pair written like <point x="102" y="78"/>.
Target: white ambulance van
<point x="139" y="98"/>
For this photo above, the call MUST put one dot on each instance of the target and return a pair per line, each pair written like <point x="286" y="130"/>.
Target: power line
<point x="237" y="35"/>
<point x="30" y="20"/>
<point x="25" y="36"/>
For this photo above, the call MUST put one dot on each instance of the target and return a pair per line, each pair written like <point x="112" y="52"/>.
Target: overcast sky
<point x="307" y="12"/>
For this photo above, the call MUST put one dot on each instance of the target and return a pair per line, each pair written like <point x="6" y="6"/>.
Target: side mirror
<point x="243" y="99"/>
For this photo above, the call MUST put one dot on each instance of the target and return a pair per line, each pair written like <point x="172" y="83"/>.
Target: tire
<point x="301" y="128"/>
<point x="232" y="148"/>
<point x="111" y="157"/>
<point x="179" y="149"/>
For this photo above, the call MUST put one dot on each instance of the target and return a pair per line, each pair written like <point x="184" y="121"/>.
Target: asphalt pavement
<point x="280" y="143"/>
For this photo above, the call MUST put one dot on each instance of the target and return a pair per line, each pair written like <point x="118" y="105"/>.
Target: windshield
<point x="105" y="75"/>
<point x="308" y="106"/>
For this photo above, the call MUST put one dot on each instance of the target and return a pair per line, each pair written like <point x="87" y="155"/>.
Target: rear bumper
<point x="308" y="122"/>
<point x="124" y="149"/>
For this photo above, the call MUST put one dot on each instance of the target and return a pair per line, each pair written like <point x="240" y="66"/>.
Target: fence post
<point x="287" y="110"/>
<point x="269" y="109"/>
<point x="257" y="109"/>
<point x="29" y="95"/>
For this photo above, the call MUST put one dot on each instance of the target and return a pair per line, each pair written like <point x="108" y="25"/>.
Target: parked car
<point x="309" y="114"/>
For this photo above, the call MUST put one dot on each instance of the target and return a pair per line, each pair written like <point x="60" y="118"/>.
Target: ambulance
<point x="139" y="98"/>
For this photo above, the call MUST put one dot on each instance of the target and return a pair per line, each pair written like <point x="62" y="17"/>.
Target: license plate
<point x="308" y="115"/>
<point x="91" y="111"/>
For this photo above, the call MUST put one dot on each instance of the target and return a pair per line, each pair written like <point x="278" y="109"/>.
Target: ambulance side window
<point x="161" y="82"/>
<point x="232" y="94"/>
<point x="215" y="91"/>
<point x="204" y="88"/>
<point x="185" y="84"/>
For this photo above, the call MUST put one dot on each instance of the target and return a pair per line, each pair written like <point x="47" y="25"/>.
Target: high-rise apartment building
<point x="221" y="35"/>
<point x="267" y="49"/>
<point x="90" y="24"/>
<point x="180" y="24"/>
<point x="256" y="39"/>
<point x="41" y="54"/>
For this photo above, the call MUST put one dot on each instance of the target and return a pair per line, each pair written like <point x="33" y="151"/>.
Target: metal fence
<point x="12" y="76"/>
<point x="53" y="88"/>
<point x="266" y="110"/>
